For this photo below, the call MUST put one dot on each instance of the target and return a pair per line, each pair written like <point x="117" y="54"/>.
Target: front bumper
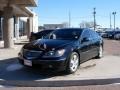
<point x="57" y="65"/>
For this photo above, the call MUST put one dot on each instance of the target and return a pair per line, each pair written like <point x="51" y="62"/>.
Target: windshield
<point x="43" y="34"/>
<point x="65" y="34"/>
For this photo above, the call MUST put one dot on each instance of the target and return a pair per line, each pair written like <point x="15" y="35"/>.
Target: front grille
<point x="31" y="53"/>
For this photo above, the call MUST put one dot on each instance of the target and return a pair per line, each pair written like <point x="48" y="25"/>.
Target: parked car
<point x="117" y="35"/>
<point x="109" y="34"/>
<point x="101" y="33"/>
<point x="64" y="49"/>
<point x="105" y="34"/>
<point x="39" y="35"/>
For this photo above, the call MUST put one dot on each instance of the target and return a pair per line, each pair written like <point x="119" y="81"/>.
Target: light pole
<point x="114" y="14"/>
<point x="110" y="22"/>
<point x="69" y="19"/>
<point x="94" y="16"/>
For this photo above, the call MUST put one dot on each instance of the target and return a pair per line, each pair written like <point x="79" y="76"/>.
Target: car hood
<point x="48" y="44"/>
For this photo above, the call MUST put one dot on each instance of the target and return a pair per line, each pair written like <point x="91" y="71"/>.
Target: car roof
<point x="71" y="29"/>
<point x="48" y="30"/>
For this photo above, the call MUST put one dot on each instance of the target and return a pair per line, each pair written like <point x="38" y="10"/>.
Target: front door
<point x="86" y="46"/>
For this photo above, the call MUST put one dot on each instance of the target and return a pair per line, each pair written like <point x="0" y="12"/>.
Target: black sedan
<point x="39" y="35"/>
<point x="63" y="49"/>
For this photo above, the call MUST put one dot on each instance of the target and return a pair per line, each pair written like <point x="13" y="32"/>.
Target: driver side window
<point x="85" y="36"/>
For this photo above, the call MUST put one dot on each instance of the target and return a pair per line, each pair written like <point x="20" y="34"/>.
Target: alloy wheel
<point x="74" y="62"/>
<point x="100" y="52"/>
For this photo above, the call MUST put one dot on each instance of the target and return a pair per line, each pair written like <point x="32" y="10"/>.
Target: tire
<point x="73" y="63"/>
<point x="100" y="52"/>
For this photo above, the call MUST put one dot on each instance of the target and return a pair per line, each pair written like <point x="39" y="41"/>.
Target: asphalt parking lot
<point x="112" y="47"/>
<point x="107" y="67"/>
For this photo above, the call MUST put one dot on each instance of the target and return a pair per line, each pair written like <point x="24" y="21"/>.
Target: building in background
<point x="21" y="29"/>
<point x="12" y="24"/>
<point x="54" y="26"/>
<point x="35" y="22"/>
<point x="1" y="29"/>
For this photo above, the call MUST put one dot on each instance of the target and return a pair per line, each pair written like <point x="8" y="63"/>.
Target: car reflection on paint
<point x="63" y="49"/>
<point x="39" y="35"/>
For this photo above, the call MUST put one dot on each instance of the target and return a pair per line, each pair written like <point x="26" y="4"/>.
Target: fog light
<point x="50" y="66"/>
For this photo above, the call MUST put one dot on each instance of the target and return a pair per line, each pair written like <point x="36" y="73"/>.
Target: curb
<point x="65" y="83"/>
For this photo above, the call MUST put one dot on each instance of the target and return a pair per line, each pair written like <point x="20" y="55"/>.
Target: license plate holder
<point x="28" y="63"/>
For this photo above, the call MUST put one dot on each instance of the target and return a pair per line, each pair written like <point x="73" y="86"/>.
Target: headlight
<point x="60" y="52"/>
<point x="57" y="53"/>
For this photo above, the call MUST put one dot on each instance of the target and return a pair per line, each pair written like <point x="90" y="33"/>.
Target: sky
<point x="57" y="11"/>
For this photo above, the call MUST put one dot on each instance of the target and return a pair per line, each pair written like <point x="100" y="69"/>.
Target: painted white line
<point x="116" y="83"/>
<point x="1" y="80"/>
<point x="14" y="67"/>
<point x="1" y="86"/>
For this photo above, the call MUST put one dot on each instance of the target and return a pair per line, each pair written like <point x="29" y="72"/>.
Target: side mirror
<point x="85" y="40"/>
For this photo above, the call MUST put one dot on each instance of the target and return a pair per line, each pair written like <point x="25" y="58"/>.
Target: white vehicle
<point x="117" y="36"/>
